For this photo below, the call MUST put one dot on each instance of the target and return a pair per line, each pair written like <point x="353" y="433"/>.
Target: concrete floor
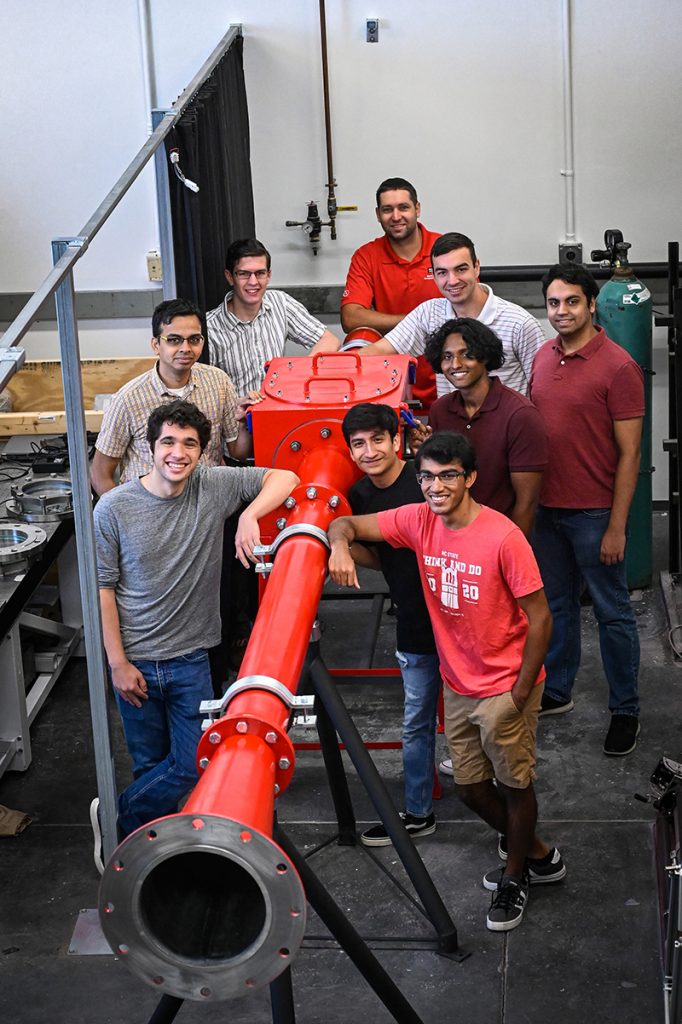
<point x="588" y="948"/>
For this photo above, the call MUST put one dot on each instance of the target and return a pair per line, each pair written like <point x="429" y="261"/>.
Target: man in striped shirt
<point x="456" y="270"/>
<point x="252" y="325"/>
<point x="177" y="341"/>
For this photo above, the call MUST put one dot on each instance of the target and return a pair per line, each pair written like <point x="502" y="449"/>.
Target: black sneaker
<point x="416" y="827"/>
<point x="97" y="852"/>
<point x="507" y="905"/>
<point x="502" y="846"/>
<point x="543" y="871"/>
<point x="622" y="735"/>
<point x="550" y="706"/>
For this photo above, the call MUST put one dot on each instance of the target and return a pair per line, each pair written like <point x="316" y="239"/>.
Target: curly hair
<point x="179" y="414"/>
<point x="482" y="343"/>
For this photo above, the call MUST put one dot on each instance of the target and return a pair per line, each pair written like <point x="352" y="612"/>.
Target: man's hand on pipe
<point x="248" y="536"/>
<point x="342" y="566"/>
<point x="129" y="683"/>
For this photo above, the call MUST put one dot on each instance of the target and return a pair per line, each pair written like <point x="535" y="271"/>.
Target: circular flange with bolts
<point x="43" y="500"/>
<point x="18" y="545"/>
<point x="202" y="907"/>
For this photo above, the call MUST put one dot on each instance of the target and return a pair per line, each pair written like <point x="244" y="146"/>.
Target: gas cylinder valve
<point x="615" y="251"/>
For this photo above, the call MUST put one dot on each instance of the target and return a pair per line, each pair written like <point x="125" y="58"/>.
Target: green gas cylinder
<point x="624" y="310"/>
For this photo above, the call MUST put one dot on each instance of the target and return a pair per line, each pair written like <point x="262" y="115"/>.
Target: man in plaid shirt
<point x="177" y="341"/>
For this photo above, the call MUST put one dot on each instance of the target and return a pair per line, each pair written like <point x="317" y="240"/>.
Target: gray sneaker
<point x="416" y="827"/>
<point x="508" y="904"/>
<point x="545" y="871"/>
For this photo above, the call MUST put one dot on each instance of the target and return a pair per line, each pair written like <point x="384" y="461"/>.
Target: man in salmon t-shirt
<point x="492" y="625"/>
<point x="391" y="275"/>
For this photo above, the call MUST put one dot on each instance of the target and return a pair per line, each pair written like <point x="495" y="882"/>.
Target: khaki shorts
<point x="489" y="738"/>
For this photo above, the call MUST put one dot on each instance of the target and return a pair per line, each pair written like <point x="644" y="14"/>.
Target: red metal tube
<point x="240" y="785"/>
<point x="203" y="903"/>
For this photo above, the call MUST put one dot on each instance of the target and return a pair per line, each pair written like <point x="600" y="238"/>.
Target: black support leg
<point x="366" y="769"/>
<point x="167" y="1010"/>
<point x="282" y="999"/>
<point x="347" y="937"/>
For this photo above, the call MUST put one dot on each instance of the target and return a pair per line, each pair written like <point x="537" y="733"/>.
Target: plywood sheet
<point x="38" y="385"/>
<point x="54" y="422"/>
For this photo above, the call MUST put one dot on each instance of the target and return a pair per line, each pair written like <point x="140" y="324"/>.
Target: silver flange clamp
<point x="216" y="708"/>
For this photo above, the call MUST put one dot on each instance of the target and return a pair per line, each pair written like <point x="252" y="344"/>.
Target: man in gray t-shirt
<point x="159" y="542"/>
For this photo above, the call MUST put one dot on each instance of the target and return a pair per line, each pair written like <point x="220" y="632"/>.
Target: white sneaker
<point x="445" y="767"/>
<point x="97" y="853"/>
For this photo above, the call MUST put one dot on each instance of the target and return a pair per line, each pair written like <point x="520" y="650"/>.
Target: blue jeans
<point x="162" y="738"/>
<point x="566" y="544"/>
<point x="422" y="683"/>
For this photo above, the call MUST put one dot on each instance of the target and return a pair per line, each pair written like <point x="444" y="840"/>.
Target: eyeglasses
<point x="175" y="340"/>
<point x="244" y="275"/>
<point x="447" y="476"/>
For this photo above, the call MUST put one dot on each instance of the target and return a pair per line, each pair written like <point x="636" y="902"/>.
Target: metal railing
<point x="59" y="282"/>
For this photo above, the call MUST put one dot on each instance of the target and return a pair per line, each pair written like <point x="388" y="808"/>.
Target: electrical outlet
<point x="154" y="265"/>
<point x="570" y="252"/>
<point x="372" y="30"/>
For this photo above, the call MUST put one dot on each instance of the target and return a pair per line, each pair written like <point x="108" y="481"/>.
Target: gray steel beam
<point x="85" y="545"/>
<point x="163" y="208"/>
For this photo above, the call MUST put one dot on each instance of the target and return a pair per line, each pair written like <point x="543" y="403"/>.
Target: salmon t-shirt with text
<point x="472" y="578"/>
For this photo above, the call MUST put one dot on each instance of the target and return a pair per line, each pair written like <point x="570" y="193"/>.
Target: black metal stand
<point x="282" y="999"/>
<point x="347" y="937"/>
<point x="333" y="722"/>
<point x="670" y="578"/>
<point x="673" y="323"/>
<point x="330" y="700"/>
<point x="167" y="1010"/>
<point x="336" y="775"/>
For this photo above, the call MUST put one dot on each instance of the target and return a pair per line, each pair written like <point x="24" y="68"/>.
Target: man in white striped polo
<point x="456" y="270"/>
<point x="253" y="324"/>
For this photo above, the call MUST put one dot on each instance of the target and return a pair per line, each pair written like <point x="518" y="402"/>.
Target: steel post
<point x="163" y="208"/>
<point x="85" y="547"/>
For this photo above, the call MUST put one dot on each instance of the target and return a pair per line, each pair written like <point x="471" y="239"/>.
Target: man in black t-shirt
<point x="371" y="432"/>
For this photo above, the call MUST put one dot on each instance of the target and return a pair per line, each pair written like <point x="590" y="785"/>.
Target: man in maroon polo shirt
<point x="391" y="275"/>
<point x="590" y="394"/>
<point x="504" y="427"/>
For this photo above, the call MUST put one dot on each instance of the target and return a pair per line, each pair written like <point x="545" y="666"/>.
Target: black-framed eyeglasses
<point x="175" y="340"/>
<point x="244" y="275"/>
<point x="446" y="476"/>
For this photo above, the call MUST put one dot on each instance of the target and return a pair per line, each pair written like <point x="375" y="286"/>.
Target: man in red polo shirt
<point x="391" y="275"/>
<point x="590" y="394"/>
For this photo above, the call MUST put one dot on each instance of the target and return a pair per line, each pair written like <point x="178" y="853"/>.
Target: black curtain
<point x="213" y="140"/>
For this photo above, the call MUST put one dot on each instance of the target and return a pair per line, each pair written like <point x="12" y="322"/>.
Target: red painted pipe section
<point x="241" y="907"/>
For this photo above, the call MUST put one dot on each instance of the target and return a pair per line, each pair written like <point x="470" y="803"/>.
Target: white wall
<point x="465" y="99"/>
<point x="72" y="113"/>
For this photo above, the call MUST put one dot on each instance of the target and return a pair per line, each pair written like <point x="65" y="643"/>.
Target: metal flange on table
<point x="27" y="551"/>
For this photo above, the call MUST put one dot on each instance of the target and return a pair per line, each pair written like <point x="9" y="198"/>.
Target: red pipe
<point x="203" y="903"/>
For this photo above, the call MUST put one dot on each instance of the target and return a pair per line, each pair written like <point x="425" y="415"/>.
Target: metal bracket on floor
<point x="672" y="600"/>
<point x="18" y="708"/>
